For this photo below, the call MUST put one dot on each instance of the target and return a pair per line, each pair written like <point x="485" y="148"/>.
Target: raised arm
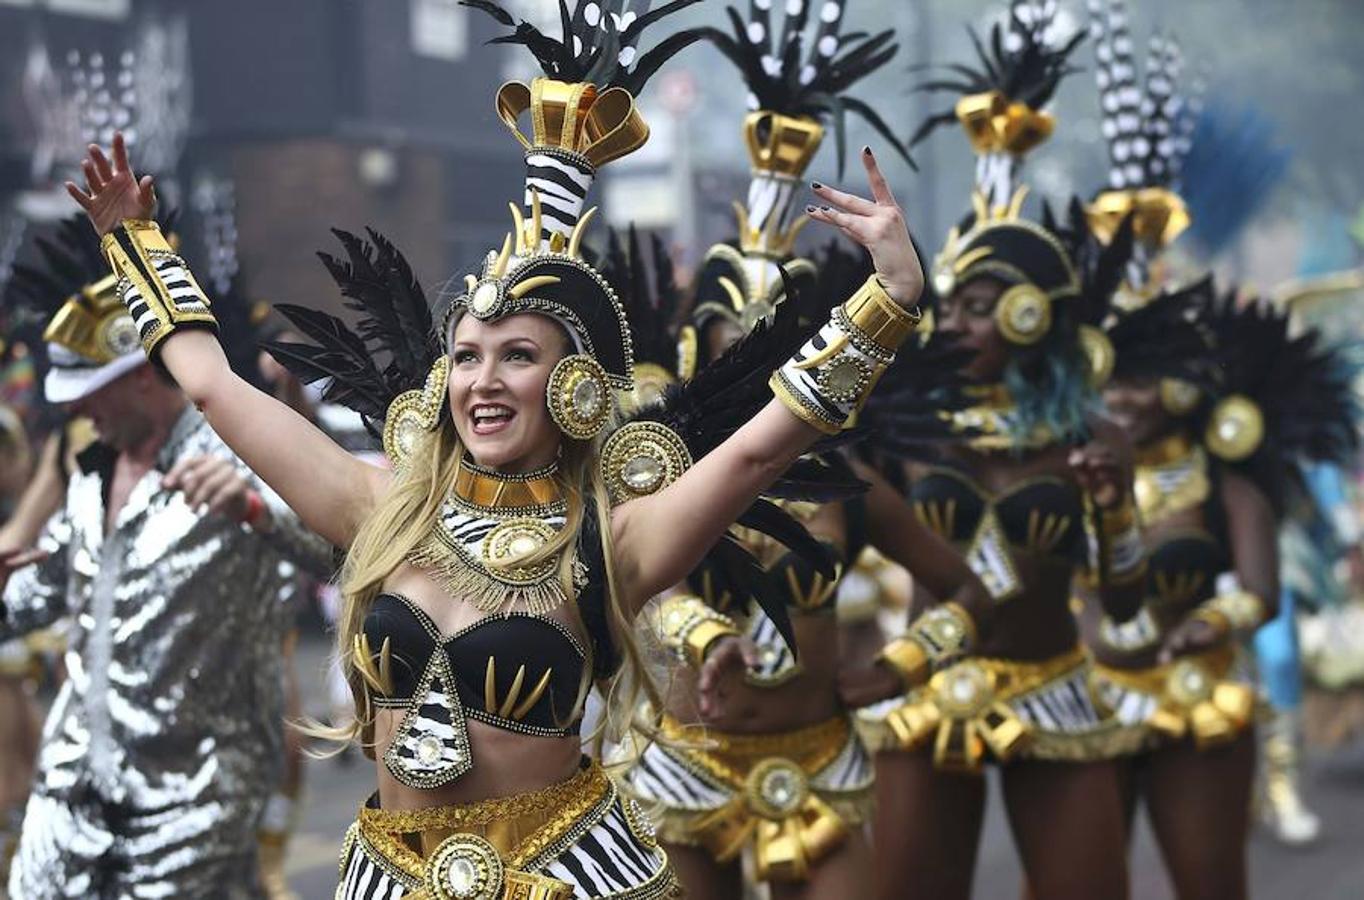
<point x="660" y="538"/>
<point x="329" y="489"/>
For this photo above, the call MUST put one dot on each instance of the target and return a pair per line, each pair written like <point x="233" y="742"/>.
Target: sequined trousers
<point x="165" y="739"/>
<point x="576" y="839"/>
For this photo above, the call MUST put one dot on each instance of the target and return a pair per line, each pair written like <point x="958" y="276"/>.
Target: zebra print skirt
<point x="993" y="710"/>
<point x="732" y="793"/>
<point x="577" y="839"/>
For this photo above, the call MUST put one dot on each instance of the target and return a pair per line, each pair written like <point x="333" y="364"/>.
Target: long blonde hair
<point x="404" y="517"/>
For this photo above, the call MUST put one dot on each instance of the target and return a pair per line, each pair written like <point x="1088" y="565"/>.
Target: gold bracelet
<point x="908" y="659"/>
<point x="688" y="627"/>
<point x="1118" y="553"/>
<point x="154" y="282"/>
<point x="883" y="321"/>
<point x="939" y="635"/>
<point x="1239" y="610"/>
<point x="1214" y="618"/>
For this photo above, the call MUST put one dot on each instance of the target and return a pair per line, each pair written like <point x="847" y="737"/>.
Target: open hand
<point x="114" y="192"/>
<point x="1100" y="473"/>
<point x="879" y="226"/>
<point x="730" y="659"/>
<point x="210" y="484"/>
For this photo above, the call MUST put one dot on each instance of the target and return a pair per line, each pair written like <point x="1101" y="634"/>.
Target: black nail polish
<point x="809" y="209"/>
<point x="867" y="150"/>
<point x="816" y="185"/>
<point x="825" y="208"/>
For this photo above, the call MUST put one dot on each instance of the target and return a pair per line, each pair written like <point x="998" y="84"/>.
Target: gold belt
<point x="774" y="806"/>
<point x="965" y="709"/>
<point x="1194" y="696"/>
<point x="477" y="850"/>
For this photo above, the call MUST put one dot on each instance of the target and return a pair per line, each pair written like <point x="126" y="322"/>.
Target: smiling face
<point x="497" y="384"/>
<point x="1134" y="405"/>
<point x="969" y="314"/>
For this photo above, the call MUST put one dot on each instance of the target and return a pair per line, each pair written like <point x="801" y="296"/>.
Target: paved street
<point x="1334" y="870"/>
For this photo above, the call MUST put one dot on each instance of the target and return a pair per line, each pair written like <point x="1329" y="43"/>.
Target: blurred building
<point x="318" y="113"/>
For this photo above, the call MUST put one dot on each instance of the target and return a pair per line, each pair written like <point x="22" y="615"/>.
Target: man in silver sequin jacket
<point x="163" y="745"/>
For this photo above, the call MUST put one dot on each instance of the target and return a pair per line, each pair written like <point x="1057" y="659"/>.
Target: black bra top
<point x="1042" y="515"/>
<point x="1182" y="567"/>
<point x="513" y="670"/>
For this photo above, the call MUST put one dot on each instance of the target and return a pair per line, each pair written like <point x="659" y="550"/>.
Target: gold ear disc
<point x="579" y="396"/>
<point x="414" y="412"/>
<point x="641" y="458"/>
<point x="1023" y="314"/>
<point x="1236" y="428"/>
<point x="1179" y="397"/>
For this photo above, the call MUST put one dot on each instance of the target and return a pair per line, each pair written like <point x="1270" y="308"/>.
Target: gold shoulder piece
<point x="641" y="458"/>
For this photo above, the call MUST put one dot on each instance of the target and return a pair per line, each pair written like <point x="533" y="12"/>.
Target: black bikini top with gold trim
<point x="512" y="670"/>
<point x="1043" y="516"/>
<point x="1183" y="562"/>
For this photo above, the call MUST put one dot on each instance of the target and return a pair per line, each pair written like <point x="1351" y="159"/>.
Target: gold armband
<point x="880" y="319"/>
<point x="688" y="627"/>
<point x="936" y="638"/>
<point x="1117" y="553"/>
<point x="1236" y="611"/>
<point x="154" y="283"/>
<point x="829" y="378"/>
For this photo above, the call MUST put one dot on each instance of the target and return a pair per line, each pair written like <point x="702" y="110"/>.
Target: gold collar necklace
<point x="991" y="422"/>
<point x="489" y="489"/>
<point x="1169" y="449"/>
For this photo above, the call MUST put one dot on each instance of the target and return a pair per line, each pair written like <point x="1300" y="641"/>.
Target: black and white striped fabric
<point x="613" y="859"/>
<point x="366" y="876"/>
<point x="431" y="746"/>
<point x="1063" y="705"/>
<point x="770" y="206"/>
<point x="803" y="383"/>
<point x="467" y="529"/>
<point x="562" y="181"/>
<point x="851" y="771"/>
<point x="611" y="855"/>
<point x="776" y="664"/>
<point x="665" y="777"/>
<point x="1138" y="633"/>
<point x="183" y="291"/>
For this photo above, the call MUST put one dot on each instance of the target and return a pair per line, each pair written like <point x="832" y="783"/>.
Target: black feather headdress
<point x="1283" y="398"/>
<point x="391" y="348"/>
<point x="645" y="283"/>
<point x="1020" y="61"/>
<point x="1148" y="125"/>
<point x="598" y="42"/>
<point x="1001" y="99"/>
<point x="785" y="79"/>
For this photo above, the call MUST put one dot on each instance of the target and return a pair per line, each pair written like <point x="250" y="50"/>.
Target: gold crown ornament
<point x="94" y="324"/>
